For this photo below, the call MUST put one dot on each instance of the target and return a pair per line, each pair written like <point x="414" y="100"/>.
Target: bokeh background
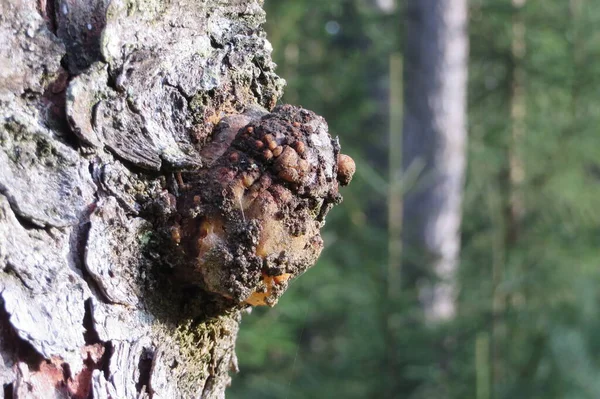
<point x="527" y="308"/>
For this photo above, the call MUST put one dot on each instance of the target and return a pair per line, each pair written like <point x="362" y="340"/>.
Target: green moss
<point x="145" y="238"/>
<point x="43" y="149"/>
<point x="149" y="9"/>
<point x="193" y="345"/>
<point x="197" y="343"/>
<point x="200" y="100"/>
<point x="16" y="129"/>
<point x="195" y="351"/>
<point x="48" y="78"/>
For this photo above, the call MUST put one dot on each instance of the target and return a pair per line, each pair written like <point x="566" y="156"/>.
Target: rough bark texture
<point x="101" y="103"/>
<point x="434" y="138"/>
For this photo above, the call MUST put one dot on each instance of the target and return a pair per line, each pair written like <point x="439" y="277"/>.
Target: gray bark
<point x="434" y="139"/>
<point x="99" y="100"/>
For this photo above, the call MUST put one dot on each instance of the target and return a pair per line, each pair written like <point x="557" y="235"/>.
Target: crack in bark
<point x="26" y="222"/>
<point x="13" y="344"/>
<point x="11" y="269"/>
<point x="9" y="391"/>
<point x="80" y="26"/>
<point x="77" y="249"/>
<point x="180" y="90"/>
<point x="46" y="10"/>
<point x="144" y="369"/>
<point x="214" y="43"/>
<point x="90" y="335"/>
<point x="108" y="352"/>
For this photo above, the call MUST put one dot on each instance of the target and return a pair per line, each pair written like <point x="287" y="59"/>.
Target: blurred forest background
<point x="524" y="321"/>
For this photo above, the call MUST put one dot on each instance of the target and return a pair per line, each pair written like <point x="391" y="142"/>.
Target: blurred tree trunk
<point x="99" y="100"/>
<point x="514" y="203"/>
<point x="517" y="114"/>
<point x="433" y="146"/>
<point x="576" y="8"/>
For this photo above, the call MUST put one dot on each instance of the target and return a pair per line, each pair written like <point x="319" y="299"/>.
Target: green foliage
<point x="528" y="285"/>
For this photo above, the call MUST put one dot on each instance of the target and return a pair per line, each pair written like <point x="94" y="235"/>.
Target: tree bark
<point x="433" y="147"/>
<point x="99" y="102"/>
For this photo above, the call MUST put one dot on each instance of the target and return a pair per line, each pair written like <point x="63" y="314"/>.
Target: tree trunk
<point x="434" y="138"/>
<point x="100" y="101"/>
<point x="512" y="202"/>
